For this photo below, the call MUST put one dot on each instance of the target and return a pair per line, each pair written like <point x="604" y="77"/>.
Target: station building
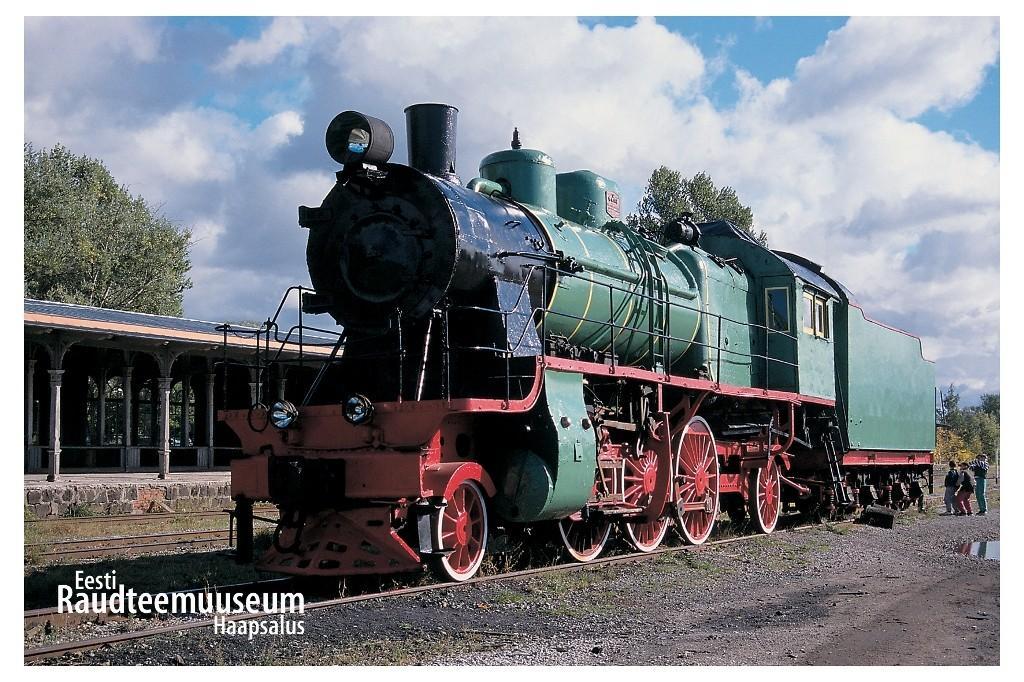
<point x="109" y="391"/>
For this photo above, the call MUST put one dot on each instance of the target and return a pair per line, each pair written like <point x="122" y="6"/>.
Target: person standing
<point x="964" y="492"/>
<point x="951" y="482"/>
<point x="980" y="469"/>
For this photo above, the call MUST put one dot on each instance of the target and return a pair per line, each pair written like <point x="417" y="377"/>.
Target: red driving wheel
<point x="696" y="482"/>
<point x="641" y="477"/>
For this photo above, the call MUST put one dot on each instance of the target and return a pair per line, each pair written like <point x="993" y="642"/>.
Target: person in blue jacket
<point x="951" y="483"/>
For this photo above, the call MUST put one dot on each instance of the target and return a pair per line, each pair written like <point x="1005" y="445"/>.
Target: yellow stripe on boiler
<point x="590" y="294"/>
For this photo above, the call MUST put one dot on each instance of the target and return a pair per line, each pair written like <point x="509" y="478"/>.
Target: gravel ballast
<point x="835" y="594"/>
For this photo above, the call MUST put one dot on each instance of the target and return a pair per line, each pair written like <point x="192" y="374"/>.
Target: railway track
<point x="141" y="518"/>
<point x="63" y="648"/>
<point x="131" y="545"/>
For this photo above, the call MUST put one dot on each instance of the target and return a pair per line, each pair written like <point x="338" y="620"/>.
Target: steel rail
<point x="132" y="545"/>
<point x="62" y="648"/>
<point x="139" y="518"/>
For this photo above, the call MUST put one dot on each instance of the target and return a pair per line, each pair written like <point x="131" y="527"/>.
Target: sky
<point x="869" y="145"/>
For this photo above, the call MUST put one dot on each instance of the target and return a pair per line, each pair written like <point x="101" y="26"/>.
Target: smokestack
<point x="431" y="131"/>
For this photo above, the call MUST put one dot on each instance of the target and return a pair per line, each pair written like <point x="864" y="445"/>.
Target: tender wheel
<point x="766" y="497"/>
<point x="464" y="531"/>
<point x="584" y="540"/>
<point x="696" y="483"/>
<point x="640" y="481"/>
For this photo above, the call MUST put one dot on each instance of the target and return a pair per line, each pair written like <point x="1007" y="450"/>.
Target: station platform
<point x="126" y="493"/>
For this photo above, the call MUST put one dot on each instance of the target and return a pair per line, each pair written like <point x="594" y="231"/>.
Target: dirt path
<point x="839" y="595"/>
<point x="952" y="622"/>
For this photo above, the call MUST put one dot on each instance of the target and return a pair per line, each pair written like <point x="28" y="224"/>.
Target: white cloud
<point x="87" y="48"/>
<point x="277" y="130"/>
<point x="281" y="34"/>
<point x="187" y="146"/>
<point x="906" y="65"/>
<point x="829" y="159"/>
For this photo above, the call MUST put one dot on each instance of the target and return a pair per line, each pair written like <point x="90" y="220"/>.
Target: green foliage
<point x="990" y="404"/>
<point x="950" y="446"/>
<point x="79" y="510"/>
<point x="669" y="196"/>
<point x="89" y="241"/>
<point x="976" y="428"/>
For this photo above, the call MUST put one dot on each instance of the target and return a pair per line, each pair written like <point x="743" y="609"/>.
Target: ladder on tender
<point x="835" y="470"/>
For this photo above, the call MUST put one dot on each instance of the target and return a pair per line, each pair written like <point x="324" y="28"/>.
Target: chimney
<point x="431" y="132"/>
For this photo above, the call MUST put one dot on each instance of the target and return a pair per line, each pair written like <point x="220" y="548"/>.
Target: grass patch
<point x="510" y="597"/>
<point x="80" y="510"/>
<point x="575" y="593"/>
<point x="570" y="582"/>
<point x="515" y="551"/>
<point x="690" y="559"/>
<point x="797" y="555"/>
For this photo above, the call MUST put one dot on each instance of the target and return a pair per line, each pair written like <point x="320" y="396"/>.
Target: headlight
<point x="358" y="409"/>
<point x="356" y="138"/>
<point x="283" y="414"/>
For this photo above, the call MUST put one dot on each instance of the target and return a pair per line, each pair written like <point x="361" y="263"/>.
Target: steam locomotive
<point x="515" y="355"/>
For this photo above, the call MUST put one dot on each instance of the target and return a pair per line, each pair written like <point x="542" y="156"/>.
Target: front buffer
<point x="374" y="498"/>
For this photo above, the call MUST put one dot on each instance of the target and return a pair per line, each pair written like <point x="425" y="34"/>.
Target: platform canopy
<point x="104" y="324"/>
<point x="129" y="391"/>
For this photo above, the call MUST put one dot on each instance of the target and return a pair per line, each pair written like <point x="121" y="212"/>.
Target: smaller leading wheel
<point x="766" y="496"/>
<point x="464" y="532"/>
<point x="584" y="540"/>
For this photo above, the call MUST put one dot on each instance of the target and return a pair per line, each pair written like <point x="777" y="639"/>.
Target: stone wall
<point x="81" y="499"/>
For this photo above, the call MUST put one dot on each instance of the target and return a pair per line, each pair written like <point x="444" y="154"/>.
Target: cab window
<point x="808" y="312"/>
<point x="777" y="307"/>
<point x="821" y="318"/>
<point x="816" y="319"/>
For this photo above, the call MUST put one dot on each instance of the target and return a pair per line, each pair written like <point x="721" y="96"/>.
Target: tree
<point x="976" y="427"/>
<point x="950" y="446"/>
<point x="89" y="241"/>
<point x="669" y="196"/>
<point x="990" y="404"/>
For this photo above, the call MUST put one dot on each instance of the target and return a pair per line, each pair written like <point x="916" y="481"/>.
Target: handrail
<point x="666" y="337"/>
<point x="270" y="331"/>
<point x="650" y="291"/>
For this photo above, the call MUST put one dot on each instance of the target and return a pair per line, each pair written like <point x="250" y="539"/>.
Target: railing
<point x="662" y="340"/>
<point x="655" y="295"/>
<point x="294" y="341"/>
